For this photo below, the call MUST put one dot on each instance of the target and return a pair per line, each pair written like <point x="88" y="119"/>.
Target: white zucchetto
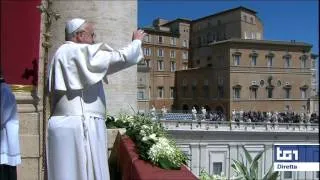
<point x="74" y="24"/>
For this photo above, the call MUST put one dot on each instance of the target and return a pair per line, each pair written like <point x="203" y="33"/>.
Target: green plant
<point x="251" y="172"/>
<point x="204" y="175"/>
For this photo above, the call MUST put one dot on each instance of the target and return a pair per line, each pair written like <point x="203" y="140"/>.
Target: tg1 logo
<point x="287" y="155"/>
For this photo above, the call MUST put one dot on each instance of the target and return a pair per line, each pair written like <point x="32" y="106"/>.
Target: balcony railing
<point x="188" y="125"/>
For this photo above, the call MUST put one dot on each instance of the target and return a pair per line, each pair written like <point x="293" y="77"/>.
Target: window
<point x="214" y="36"/>
<point x="220" y="80"/>
<point x="313" y="64"/>
<point x="160" y="92"/>
<point x="236" y="60"/>
<point x="251" y="20"/>
<point x="147" y="38"/>
<point x="253" y="92"/>
<point x="185" y="43"/>
<point x="206" y="91"/>
<point x="217" y="168"/>
<point x="160" y="39"/>
<point x="287" y="107"/>
<point x="269" y="61"/>
<point x="246" y="35"/>
<point x="199" y="40"/>
<point x="185" y="55"/>
<point x="303" y="93"/>
<point x="173" y="41"/>
<point x="172" y="54"/>
<point x="160" y="53"/>
<point x="185" y="67"/>
<point x="147" y="51"/>
<point x="209" y="37"/>
<point x="236" y="93"/>
<point x="160" y="65"/>
<point x="147" y="61"/>
<point x="203" y="40"/>
<point x="172" y="92"/>
<point x="287" y="93"/>
<point x="140" y="94"/>
<point x="220" y="92"/>
<point x="253" y="35"/>
<point x="270" y="92"/>
<point x="173" y="66"/>
<point x="278" y="83"/>
<point x="194" y="92"/>
<point x="287" y="174"/>
<point x="287" y="62"/>
<point x="245" y="18"/>
<point x="253" y="60"/>
<point x="259" y="36"/>
<point x="303" y="63"/>
<point x="184" y="91"/>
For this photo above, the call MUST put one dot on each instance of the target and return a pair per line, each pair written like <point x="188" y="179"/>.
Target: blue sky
<point x="283" y="20"/>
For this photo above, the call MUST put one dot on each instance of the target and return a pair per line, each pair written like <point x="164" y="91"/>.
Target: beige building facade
<point x="230" y="67"/>
<point x="166" y="49"/>
<point x="237" y="23"/>
<point x="238" y="74"/>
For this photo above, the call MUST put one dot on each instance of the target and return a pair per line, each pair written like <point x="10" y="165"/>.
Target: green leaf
<point x="248" y="156"/>
<point x="274" y="176"/>
<point x="254" y="165"/>
<point x="266" y="176"/>
<point x="240" y="168"/>
<point x="166" y="164"/>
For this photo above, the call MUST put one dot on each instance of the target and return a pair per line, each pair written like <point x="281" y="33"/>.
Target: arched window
<point x="287" y="60"/>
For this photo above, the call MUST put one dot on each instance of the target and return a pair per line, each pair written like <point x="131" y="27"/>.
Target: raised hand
<point x="139" y="34"/>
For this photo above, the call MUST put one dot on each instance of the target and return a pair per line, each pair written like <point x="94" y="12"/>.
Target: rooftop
<point x="227" y="11"/>
<point x="265" y="42"/>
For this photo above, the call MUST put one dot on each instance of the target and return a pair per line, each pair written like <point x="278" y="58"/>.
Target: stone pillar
<point x="233" y="149"/>
<point x="114" y="23"/>
<point x="195" y="154"/>
<point x="204" y="157"/>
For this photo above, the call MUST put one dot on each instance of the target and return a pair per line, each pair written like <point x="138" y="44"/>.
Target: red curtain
<point x="20" y="36"/>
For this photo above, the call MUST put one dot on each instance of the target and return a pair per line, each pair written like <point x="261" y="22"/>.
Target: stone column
<point x="204" y="156"/>
<point x="195" y="154"/>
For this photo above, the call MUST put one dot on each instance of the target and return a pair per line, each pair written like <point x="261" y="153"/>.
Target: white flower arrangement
<point x="151" y="139"/>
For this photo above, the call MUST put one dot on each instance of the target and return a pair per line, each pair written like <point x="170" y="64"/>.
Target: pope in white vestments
<point x="76" y="148"/>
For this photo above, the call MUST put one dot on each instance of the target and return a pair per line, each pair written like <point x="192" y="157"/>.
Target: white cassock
<point x="76" y="130"/>
<point x="9" y="128"/>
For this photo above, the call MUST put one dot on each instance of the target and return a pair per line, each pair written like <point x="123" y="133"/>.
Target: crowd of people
<point x="274" y="117"/>
<point x="246" y="116"/>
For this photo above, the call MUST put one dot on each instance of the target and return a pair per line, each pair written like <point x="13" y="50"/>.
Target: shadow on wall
<point x="31" y="73"/>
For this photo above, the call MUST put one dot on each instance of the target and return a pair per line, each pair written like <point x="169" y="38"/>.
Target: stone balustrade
<point x="239" y="126"/>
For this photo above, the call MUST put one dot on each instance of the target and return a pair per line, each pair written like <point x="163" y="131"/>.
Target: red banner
<point x="20" y="36"/>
